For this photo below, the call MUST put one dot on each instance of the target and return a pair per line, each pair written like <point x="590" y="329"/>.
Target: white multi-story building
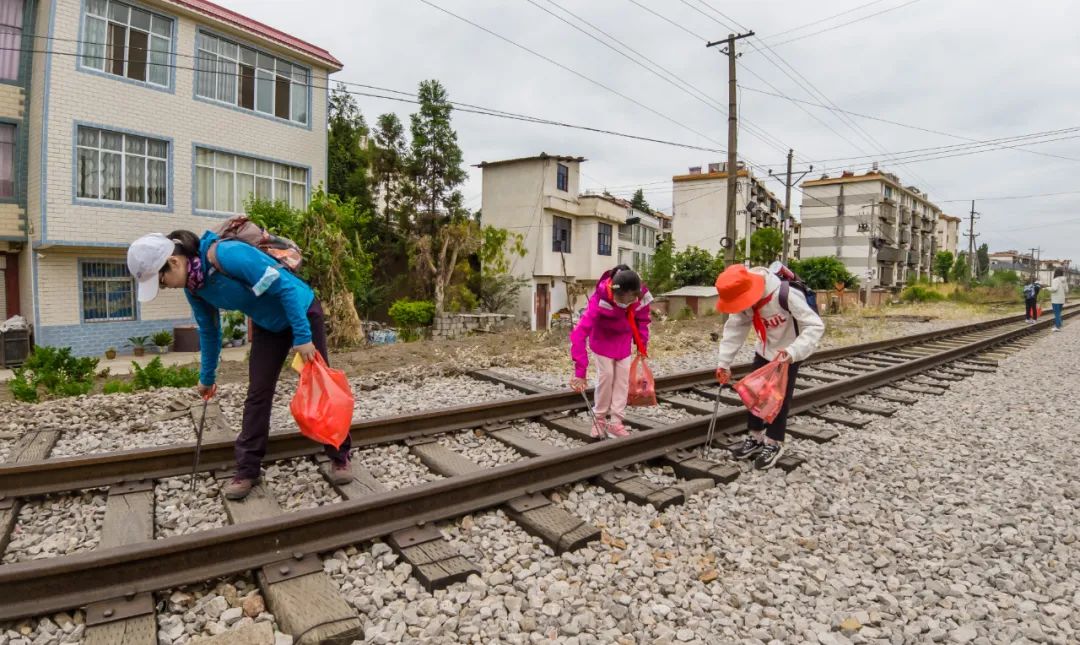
<point x="947" y="234"/>
<point x="571" y="238"/>
<point x="137" y="117"/>
<point x="699" y="207"/>
<point x="881" y="230"/>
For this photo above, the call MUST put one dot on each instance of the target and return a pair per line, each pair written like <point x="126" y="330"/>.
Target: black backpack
<point x="808" y="293"/>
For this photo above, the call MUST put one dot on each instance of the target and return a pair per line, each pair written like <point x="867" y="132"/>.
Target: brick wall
<point x="92" y="339"/>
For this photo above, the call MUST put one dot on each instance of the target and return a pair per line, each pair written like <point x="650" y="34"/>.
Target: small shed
<point x="699" y="300"/>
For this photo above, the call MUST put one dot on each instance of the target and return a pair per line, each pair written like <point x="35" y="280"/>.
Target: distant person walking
<point x="1059" y="286"/>
<point x="1031" y="295"/>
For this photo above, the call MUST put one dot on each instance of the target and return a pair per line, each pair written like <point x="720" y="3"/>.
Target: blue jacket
<point x="255" y="285"/>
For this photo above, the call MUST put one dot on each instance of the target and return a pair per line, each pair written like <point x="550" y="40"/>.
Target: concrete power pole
<point x="732" y="156"/>
<point x="971" y="243"/>
<point x="785" y="221"/>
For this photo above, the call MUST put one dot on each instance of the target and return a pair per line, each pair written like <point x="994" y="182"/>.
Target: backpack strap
<point x="785" y="288"/>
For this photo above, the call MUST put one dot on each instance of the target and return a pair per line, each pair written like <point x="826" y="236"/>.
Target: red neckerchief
<point x="759" y="323"/>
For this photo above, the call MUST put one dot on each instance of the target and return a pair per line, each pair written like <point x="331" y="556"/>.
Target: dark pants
<point x="1032" y="309"/>
<point x="268" y="353"/>
<point x="778" y="427"/>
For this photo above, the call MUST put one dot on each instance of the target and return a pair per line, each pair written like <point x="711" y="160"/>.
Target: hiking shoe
<point x="341" y="474"/>
<point x="617" y="429"/>
<point x="238" y="487"/>
<point x="769" y="455"/>
<point x="599" y="429"/>
<point x="747" y="449"/>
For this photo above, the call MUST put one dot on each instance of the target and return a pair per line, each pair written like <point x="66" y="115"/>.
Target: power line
<point x="568" y="69"/>
<point x="845" y="24"/>
<point x="826" y="19"/>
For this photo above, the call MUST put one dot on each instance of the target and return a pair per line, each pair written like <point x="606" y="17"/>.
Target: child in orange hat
<point x="787" y="328"/>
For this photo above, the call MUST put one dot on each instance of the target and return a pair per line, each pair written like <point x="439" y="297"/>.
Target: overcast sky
<point x="972" y="69"/>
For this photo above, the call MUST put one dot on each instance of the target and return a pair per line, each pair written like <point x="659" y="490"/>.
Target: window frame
<point x="84" y="57"/>
<point x="14" y="196"/>
<point x="15" y="33"/>
<point x="601" y="238"/>
<point x="562" y="177"/>
<point x="124" y="154"/>
<point x="273" y="180"/>
<point x="280" y="69"/>
<point x="557" y="243"/>
<point x="126" y="277"/>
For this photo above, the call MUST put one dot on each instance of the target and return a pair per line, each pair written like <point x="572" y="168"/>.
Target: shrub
<point x="411" y="315"/>
<point x="823" y="273"/>
<point x="163" y="338"/>
<point x="685" y="314"/>
<point x="919" y="293"/>
<point x="155" y="375"/>
<point x="118" y="387"/>
<point x="139" y="341"/>
<point x="55" y="369"/>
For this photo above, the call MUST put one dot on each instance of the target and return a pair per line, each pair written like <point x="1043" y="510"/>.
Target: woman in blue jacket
<point x="233" y="275"/>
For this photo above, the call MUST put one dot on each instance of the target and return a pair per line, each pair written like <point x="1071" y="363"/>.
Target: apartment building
<point x="883" y="231"/>
<point x="571" y="237"/>
<point x="134" y="117"/>
<point x="947" y="234"/>
<point x="699" y="206"/>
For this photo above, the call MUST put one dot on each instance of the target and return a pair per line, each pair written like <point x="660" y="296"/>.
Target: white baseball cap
<point x="145" y="258"/>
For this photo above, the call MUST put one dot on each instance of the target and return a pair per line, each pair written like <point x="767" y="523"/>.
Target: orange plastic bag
<point x="323" y="403"/>
<point x="642" y="384"/>
<point x="763" y="390"/>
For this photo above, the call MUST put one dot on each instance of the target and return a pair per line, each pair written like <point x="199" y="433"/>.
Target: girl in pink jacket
<point x="605" y="327"/>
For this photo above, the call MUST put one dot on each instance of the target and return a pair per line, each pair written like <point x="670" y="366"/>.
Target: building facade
<point x="947" y="234"/>
<point x="570" y="238"/>
<point x="882" y="231"/>
<point x="139" y="117"/>
<point x="699" y="207"/>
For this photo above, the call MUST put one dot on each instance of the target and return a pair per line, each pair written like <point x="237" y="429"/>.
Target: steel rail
<point x="47" y="586"/>
<point x="63" y="474"/>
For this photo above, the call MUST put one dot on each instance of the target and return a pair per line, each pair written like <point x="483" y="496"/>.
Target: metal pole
<point x="786" y="223"/>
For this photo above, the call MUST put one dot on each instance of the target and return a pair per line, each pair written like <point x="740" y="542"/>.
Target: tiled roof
<point x="254" y="26"/>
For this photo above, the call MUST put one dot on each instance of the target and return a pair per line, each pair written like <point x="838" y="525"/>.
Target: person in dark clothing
<point x="1031" y="297"/>
<point x="219" y="274"/>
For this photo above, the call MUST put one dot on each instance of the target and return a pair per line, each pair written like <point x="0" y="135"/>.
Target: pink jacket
<point x="606" y="329"/>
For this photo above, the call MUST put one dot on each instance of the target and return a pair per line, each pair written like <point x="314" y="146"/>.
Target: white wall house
<point x="699" y="207"/>
<point x="947" y="234"/>
<point x="841" y="216"/>
<point x="571" y="238"/>
<point x="158" y="115"/>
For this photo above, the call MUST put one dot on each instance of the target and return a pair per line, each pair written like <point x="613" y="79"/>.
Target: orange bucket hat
<point x="739" y="288"/>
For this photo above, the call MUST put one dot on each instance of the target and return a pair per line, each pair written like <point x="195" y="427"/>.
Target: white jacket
<point x="1058" y="288"/>
<point x="779" y="326"/>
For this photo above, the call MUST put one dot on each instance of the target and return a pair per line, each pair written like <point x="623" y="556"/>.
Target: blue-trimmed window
<point x="224" y="181"/>
<point x="127" y="41"/>
<point x="11" y="23"/>
<point x="108" y="291"/>
<point x="119" y="167"/>
<point x="237" y="75"/>
<point x="562" y="178"/>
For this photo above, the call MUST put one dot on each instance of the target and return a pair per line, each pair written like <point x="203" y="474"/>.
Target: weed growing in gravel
<point x="118" y="387"/>
<point x="155" y="375"/>
<point x="55" y="370"/>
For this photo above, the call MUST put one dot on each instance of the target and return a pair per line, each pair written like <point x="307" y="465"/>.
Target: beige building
<point x="947" y="234"/>
<point x="171" y="114"/>
<point x="571" y="238"/>
<point x="881" y="230"/>
<point x="699" y="207"/>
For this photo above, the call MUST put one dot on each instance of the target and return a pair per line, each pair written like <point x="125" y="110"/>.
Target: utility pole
<point x="971" y="243"/>
<point x="870" y="252"/>
<point x="785" y="221"/>
<point x="732" y="156"/>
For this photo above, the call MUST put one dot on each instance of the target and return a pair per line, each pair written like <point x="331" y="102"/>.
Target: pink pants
<point x="612" y="387"/>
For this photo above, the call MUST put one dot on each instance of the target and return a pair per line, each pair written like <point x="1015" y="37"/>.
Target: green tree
<point x="388" y="162"/>
<point x="638" y="201"/>
<point x="943" y="263"/>
<point x="348" y="162"/>
<point x="660" y="276"/>
<point x="498" y="288"/>
<point x="766" y="245"/>
<point x="436" y="255"/>
<point x="961" y="269"/>
<point x="435" y="162"/>
<point x="823" y="272"/>
<point x="982" y="262"/>
<point x="694" y="266"/>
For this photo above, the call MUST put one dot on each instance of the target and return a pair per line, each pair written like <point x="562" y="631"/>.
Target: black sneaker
<point x="769" y="455"/>
<point x="747" y="449"/>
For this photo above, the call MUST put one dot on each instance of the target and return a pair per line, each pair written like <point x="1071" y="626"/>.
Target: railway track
<point x="116" y="581"/>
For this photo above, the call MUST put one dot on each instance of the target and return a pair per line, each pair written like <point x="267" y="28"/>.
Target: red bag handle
<point x="633" y="323"/>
